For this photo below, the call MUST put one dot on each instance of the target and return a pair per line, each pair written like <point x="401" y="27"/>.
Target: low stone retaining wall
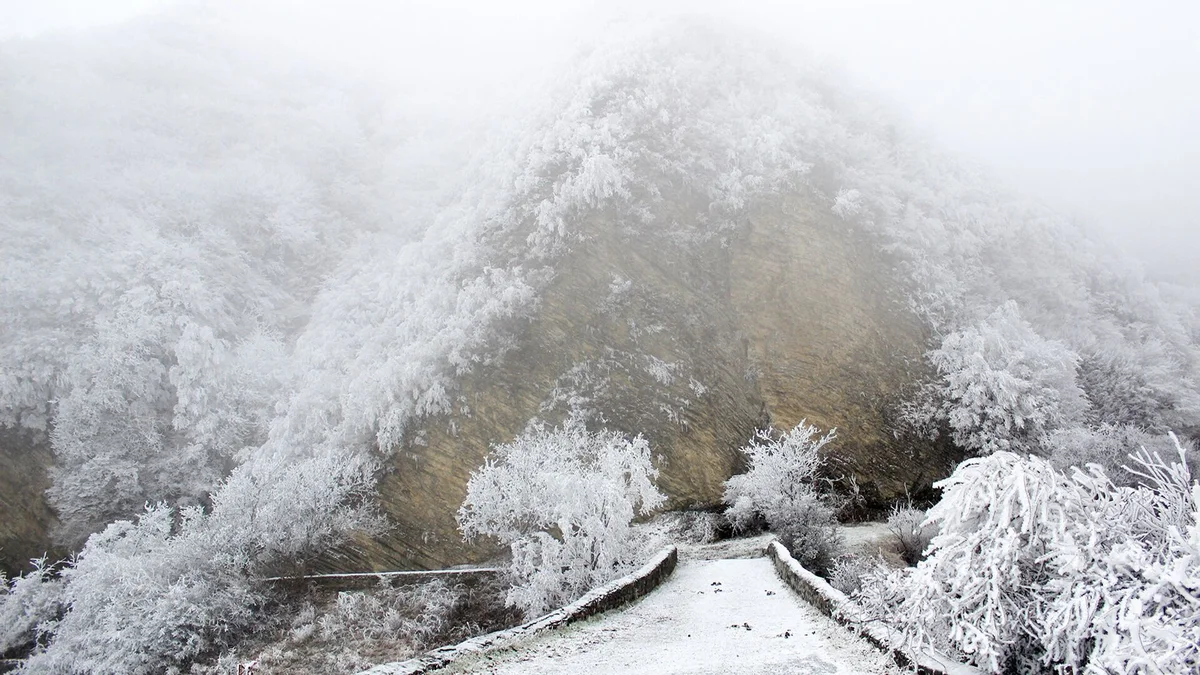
<point x="833" y="603"/>
<point x="610" y="596"/>
<point x="367" y="580"/>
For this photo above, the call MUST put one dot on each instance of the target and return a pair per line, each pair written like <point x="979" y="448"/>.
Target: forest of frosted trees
<point x="231" y="283"/>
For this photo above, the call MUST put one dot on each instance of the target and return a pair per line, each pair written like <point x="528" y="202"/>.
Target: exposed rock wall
<point x="26" y="520"/>
<point x="794" y="315"/>
<point x="827" y="326"/>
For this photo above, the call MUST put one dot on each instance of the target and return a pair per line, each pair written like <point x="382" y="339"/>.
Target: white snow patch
<point x="867" y="538"/>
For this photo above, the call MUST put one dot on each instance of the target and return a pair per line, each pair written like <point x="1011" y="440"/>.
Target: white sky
<point x="1092" y="106"/>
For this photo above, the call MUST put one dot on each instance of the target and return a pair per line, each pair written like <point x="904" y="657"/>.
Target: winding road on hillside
<point x="712" y="616"/>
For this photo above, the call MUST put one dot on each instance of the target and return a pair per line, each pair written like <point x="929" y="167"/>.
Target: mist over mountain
<point x="215" y="250"/>
<point x="292" y="310"/>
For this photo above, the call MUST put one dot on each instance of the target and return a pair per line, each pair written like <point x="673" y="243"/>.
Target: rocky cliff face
<point x="25" y="518"/>
<point x="701" y="285"/>
<point x="792" y="316"/>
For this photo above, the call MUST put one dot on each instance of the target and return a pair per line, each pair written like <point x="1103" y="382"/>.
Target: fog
<point x="1091" y="107"/>
<point x="276" y="277"/>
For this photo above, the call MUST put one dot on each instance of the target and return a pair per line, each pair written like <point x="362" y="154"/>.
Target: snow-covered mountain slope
<point x="215" y="258"/>
<point x="660" y="264"/>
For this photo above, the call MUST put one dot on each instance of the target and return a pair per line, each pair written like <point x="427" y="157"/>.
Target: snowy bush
<point x="350" y="631"/>
<point x="1002" y="386"/>
<point x="150" y="595"/>
<point x="912" y="534"/>
<point x="781" y="487"/>
<point x="1034" y="570"/>
<point x="850" y="572"/>
<point x="563" y="500"/>
<point x="29" y="605"/>
<point x="697" y="527"/>
<point x="1110" y="446"/>
<point x="418" y="613"/>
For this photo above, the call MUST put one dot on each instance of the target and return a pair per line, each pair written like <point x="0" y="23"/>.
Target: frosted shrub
<point x="1109" y="446"/>
<point x="850" y="572"/>
<point x="1034" y="570"/>
<point x="563" y="500"/>
<point x="151" y="595"/>
<point x="349" y="631"/>
<point x="674" y="527"/>
<point x="418" y="613"/>
<point x="361" y="628"/>
<point x="907" y="525"/>
<point x="28" y="605"/>
<point x="698" y="527"/>
<point x="1001" y="385"/>
<point x="780" y="486"/>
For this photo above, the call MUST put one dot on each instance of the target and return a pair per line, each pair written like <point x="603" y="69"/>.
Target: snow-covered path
<point x="711" y="616"/>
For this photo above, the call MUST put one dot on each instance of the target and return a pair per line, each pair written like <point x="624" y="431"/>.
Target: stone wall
<point x="833" y="603"/>
<point x="610" y="596"/>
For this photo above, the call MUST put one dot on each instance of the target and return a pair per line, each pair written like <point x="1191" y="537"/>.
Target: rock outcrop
<point x="701" y="285"/>
<point x="26" y="520"/>
<point x="795" y="316"/>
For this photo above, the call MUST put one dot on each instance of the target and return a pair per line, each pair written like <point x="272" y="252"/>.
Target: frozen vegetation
<point x="315" y="632"/>
<point x="585" y="487"/>
<point x="1036" y="570"/>
<point x="231" y="285"/>
<point x="781" y="486"/>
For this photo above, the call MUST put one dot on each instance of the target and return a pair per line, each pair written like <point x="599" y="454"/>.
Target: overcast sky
<point x="1090" y="106"/>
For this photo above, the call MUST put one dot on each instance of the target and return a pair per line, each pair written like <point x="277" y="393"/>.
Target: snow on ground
<point x="711" y="616"/>
<point x="871" y="539"/>
<point x="867" y="537"/>
<point x="740" y="547"/>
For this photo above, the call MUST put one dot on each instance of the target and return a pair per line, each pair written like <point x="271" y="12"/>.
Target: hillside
<point x="261" y="317"/>
<point x="691" y="237"/>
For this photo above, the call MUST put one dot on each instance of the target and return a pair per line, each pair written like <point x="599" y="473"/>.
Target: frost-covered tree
<point x="780" y="486"/>
<point x="1035" y="570"/>
<point x="910" y="532"/>
<point x="29" y="606"/>
<point x="150" y="595"/>
<point x="563" y="500"/>
<point x="1002" y="386"/>
<point x="1110" y="446"/>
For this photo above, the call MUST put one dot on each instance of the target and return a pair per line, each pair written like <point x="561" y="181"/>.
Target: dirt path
<point x="711" y="616"/>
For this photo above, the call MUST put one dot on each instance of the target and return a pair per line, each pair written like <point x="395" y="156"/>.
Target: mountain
<point x="666" y="263"/>
<point x="694" y="343"/>
<point x="219" y="263"/>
